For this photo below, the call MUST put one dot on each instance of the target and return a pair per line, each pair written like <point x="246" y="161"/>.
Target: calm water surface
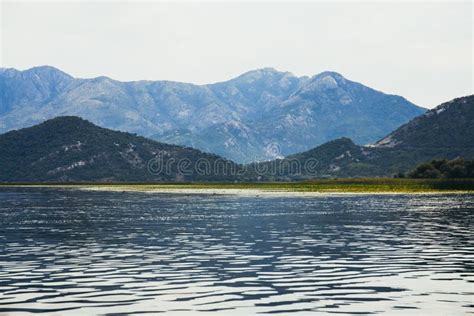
<point x="103" y="253"/>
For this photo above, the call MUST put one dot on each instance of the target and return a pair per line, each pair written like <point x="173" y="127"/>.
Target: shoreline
<point x="207" y="189"/>
<point x="267" y="193"/>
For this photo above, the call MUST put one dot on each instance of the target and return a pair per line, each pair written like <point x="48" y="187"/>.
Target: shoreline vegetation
<point x="312" y="187"/>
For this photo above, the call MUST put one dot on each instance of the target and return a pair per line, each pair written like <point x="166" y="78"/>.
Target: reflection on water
<point x="86" y="253"/>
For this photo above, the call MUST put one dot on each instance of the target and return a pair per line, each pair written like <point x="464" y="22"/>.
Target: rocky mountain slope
<point x="445" y="132"/>
<point x="73" y="149"/>
<point x="449" y="125"/>
<point x="262" y="114"/>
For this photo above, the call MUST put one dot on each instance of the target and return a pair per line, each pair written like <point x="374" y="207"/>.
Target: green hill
<point x="450" y="126"/>
<point x="445" y="132"/>
<point x="72" y="149"/>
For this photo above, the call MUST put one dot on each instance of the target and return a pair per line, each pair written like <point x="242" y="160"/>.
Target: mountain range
<point x="73" y="149"/>
<point x="445" y="132"/>
<point x="262" y="114"/>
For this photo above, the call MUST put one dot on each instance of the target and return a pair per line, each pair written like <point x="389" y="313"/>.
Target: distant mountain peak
<point x="325" y="81"/>
<point x="44" y="68"/>
<point x="332" y="74"/>
<point x="267" y="70"/>
<point x="264" y="70"/>
<point x="329" y="79"/>
<point x="47" y="70"/>
<point x="257" y="74"/>
<point x="42" y="71"/>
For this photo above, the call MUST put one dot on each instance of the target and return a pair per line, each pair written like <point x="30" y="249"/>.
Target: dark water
<point x="87" y="253"/>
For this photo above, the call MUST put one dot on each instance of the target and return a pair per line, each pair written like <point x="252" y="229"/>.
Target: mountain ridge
<point x="444" y="135"/>
<point x="237" y="119"/>
<point x="425" y="139"/>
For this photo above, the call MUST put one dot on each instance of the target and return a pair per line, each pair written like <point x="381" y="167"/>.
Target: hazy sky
<point x="422" y="51"/>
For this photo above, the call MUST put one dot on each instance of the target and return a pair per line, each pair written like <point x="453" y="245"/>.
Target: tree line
<point x="442" y="168"/>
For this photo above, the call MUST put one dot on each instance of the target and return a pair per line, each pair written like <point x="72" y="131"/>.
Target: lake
<point x="70" y="252"/>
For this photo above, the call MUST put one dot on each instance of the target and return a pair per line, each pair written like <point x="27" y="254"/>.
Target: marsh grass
<point x="362" y="185"/>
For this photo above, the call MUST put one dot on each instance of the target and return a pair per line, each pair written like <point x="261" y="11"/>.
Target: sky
<point x="420" y="50"/>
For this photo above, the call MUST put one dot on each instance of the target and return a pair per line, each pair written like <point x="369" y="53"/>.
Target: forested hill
<point x="445" y="132"/>
<point x="72" y="149"/>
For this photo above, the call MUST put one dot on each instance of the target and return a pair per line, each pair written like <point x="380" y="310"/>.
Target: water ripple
<point x="99" y="253"/>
